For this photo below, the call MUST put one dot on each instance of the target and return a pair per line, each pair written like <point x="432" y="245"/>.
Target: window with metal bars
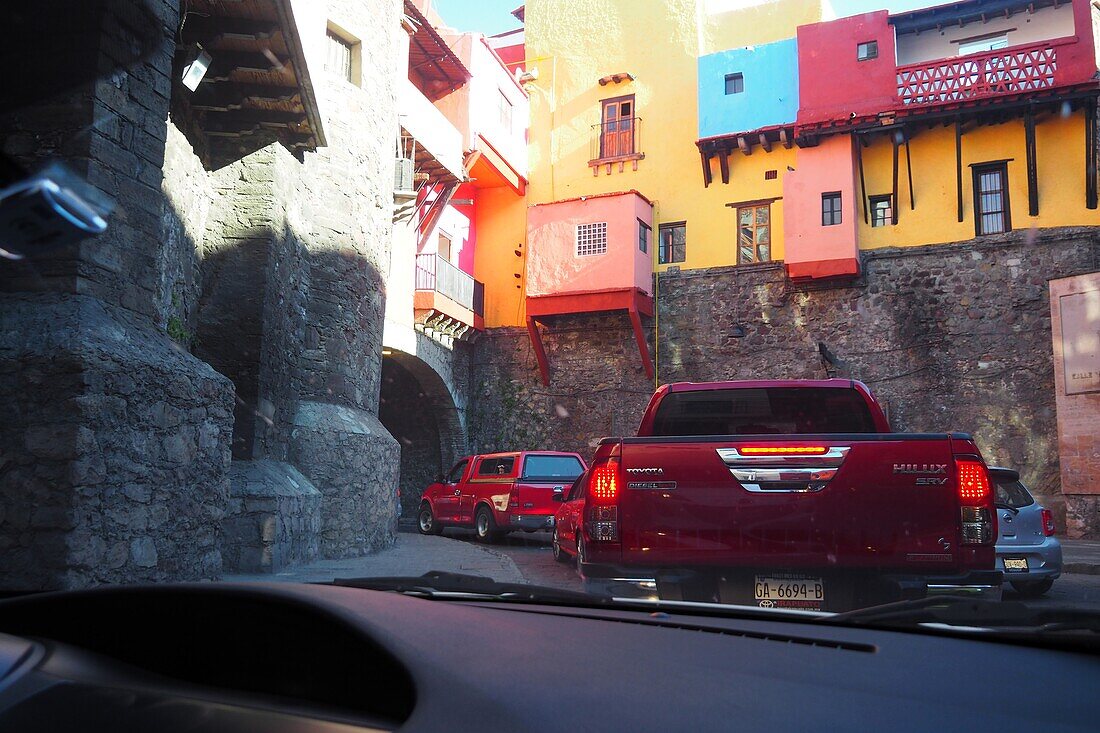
<point x="754" y="239"/>
<point x="882" y="210"/>
<point x="338" y="56"/>
<point x="672" y="243"/>
<point x="591" y="239"/>
<point x="830" y="209"/>
<point x="991" y="209"/>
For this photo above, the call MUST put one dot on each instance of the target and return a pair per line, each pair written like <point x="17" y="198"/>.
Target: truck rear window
<point x="552" y="468"/>
<point x="763" y="411"/>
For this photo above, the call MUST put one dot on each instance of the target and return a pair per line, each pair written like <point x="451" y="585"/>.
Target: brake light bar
<point x="792" y="450"/>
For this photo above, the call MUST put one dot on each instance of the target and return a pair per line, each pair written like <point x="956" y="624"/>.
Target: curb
<point x="1081" y="568"/>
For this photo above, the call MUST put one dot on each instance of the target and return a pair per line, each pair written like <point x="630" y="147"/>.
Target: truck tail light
<point x="605" y="481"/>
<point x="603" y="523"/>
<point x="1048" y="522"/>
<point x="976" y="499"/>
<point x="603" y="511"/>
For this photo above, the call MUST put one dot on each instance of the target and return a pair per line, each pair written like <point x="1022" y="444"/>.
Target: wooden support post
<point x="765" y="143"/>
<point x="857" y="145"/>
<point x="1032" y="164"/>
<point x="1092" y="152"/>
<point x="744" y="145"/>
<point x="909" y="170"/>
<point x="705" y="160"/>
<point x="540" y="352"/>
<point x="894" y="191"/>
<point x="724" y="165"/>
<point x="959" y="168"/>
<point x="784" y="138"/>
<point x="639" y="336"/>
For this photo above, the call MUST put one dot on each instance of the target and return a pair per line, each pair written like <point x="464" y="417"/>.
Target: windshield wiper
<point x="972" y="612"/>
<point x="436" y="583"/>
<point x="1012" y="509"/>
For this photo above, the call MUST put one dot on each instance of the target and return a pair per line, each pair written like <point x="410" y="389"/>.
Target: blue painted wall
<point x="771" y="88"/>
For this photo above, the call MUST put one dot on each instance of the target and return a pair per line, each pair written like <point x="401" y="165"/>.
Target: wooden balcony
<point x="447" y="300"/>
<point x="1004" y="72"/>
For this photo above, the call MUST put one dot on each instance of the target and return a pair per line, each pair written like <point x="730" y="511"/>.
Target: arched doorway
<point x="418" y="409"/>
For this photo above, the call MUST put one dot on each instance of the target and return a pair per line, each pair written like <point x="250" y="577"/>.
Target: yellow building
<point x="774" y="132"/>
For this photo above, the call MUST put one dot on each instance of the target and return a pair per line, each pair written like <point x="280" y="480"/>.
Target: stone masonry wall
<point x="115" y="437"/>
<point x="950" y="337"/>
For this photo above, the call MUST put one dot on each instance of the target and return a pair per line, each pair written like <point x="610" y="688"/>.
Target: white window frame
<point x="591" y="239"/>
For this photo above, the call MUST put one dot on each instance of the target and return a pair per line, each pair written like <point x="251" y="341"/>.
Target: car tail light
<point x="789" y="450"/>
<point x="1048" y="522"/>
<point x="975" y="498"/>
<point x="603" y="511"/>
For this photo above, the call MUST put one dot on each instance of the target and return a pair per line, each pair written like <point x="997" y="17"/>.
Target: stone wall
<point x="950" y="337"/>
<point x="117" y="440"/>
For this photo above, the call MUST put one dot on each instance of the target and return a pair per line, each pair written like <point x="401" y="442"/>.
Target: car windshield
<point x="639" y="300"/>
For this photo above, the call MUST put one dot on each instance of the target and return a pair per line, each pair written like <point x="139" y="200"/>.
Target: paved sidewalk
<point x="1081" y="556"/>
<point x="413" y="554"/>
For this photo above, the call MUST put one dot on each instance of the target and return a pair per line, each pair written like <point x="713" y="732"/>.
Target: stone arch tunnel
<point x="423" y="407"/>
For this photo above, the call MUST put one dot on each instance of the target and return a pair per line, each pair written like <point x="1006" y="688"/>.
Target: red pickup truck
<point x="783" y="493"/>
<point x="499" y="492"/>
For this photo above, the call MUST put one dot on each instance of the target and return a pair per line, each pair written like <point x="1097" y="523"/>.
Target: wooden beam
<point x="224" y="62"/>
<point x="540" y="351"/>
<point x="894" y="191"/>
<point x="1092" y="153"/>
<point x="784" y="137"/>
<point x="228" y="96"/>
<point x="744" y="145"/>
<point x="639" y="337"/>
<point x="858" y="147"/>
<point x="959" y="168"/>
<point x="252" y="116"/>
<point x="209" y="29"/>
<point x="909" y="170"/>
<point x="764" y="143"/>
<point x="724" y="165"/>
<point x="1032" y="165"/>
<point x="704" y="158"/>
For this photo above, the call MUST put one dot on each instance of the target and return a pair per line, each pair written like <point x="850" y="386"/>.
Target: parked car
<point x="499" y="492"/>
<point x="781" y="494"/>
<point x="1027" y="551"/>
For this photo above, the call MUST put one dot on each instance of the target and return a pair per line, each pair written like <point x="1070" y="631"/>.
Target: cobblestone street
<point x="526" y="558"/>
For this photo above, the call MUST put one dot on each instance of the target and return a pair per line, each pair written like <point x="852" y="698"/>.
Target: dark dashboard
<point x="277" y="657"/>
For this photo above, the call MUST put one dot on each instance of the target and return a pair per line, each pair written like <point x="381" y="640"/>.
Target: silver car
<point x="1027" y="551"/>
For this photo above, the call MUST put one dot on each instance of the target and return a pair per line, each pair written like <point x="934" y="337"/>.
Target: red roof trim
<point x="596" y="196"/>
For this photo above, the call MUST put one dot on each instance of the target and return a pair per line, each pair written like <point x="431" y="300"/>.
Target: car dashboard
<point x="284" y="657"/>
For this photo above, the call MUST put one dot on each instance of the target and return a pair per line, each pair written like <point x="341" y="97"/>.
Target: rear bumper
<point x="845" y="589"/>
<point x="530" y="521"/>
<point x="1044" y="561"/>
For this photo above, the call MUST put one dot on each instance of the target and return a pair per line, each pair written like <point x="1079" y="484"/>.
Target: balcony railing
<point x="616" y="140"/>
<point x="437" y="274"/>
<point x="979" y="75"/>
